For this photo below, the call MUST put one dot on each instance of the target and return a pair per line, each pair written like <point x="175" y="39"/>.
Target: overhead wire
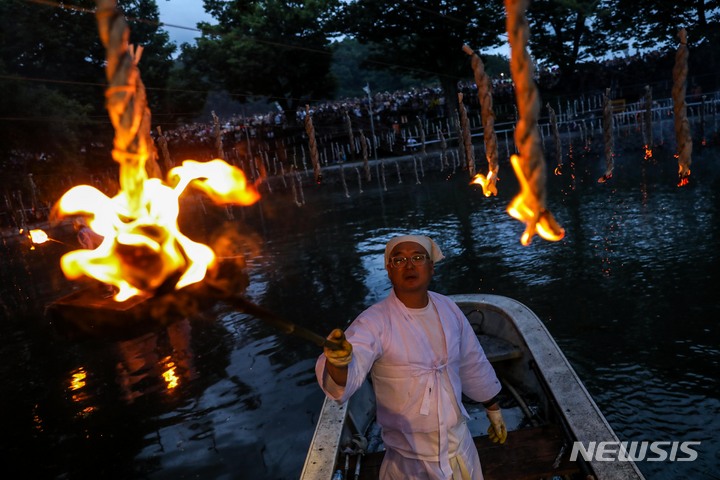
<point x="56" y="4"/>
<point x="235" y="94"/>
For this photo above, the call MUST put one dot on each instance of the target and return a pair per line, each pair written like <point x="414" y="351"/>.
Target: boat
<point x="554" y="425"/>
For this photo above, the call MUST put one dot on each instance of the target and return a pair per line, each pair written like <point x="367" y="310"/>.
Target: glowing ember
<point x="143" y="247"/>
<point x="538" y="221"/>
<point x="648" y="152"/>
<point x="605" y="178"/>
<point x="684" y="175"/>
<point x="487" y="183"/>
<point x="38" y="236"/>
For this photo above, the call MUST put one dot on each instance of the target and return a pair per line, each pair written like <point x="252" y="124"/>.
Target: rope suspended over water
<point x="682" y="126"/>
<point x="529" y="166"/>
<point x="484" y="85"/>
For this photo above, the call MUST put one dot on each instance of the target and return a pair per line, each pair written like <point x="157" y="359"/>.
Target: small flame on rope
<point x="487" y="183"/>
<point x="683" y="173"/>
<point x="648" y="152"/>
<point x="605" y="177"/>
<point x="684" y="177"/>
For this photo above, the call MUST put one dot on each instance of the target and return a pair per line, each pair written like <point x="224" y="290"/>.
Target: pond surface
<point x="630" y="294"/>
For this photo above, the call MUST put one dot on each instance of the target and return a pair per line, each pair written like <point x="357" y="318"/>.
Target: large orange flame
<point x="143" y="246"/>
<point x="524" y="207"/>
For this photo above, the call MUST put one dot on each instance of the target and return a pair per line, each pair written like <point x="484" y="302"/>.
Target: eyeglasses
<point x="417" y="260"/>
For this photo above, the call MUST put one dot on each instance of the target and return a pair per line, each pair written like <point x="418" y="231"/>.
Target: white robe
<point x="413" y="384"/>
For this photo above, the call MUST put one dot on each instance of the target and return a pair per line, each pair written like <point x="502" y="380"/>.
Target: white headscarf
<point x="426" y="242"/>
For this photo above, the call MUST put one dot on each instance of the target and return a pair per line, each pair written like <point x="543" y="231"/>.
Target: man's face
<point x="408" y="277"/>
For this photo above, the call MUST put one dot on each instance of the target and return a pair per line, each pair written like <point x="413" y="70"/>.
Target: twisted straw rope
<point x="482" y="80"/>
<point x="648" y="117"/>
<point x="366" y="164"/>
<point x="314" y="157"/>
<point x="529" y="167"/>
<point x="467" y="139"/>
<point x="608" y="137"/>
<point x="443" y="150"/>
<point x="162" y="140"/>
<point x="351" y="137"/>
<point x="682" y="126"/>
<point x="218" y="137"/>
<point x="556" y="137"/>
<point x="526" y="136"/>
<point x="133" y="147"/>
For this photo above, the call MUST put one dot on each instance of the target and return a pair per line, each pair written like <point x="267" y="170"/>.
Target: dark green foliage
<point x="273" y="49"/>
<point x="348" y="58"/>
<point x="424" y="39"/>
<point x="52" y="76"/>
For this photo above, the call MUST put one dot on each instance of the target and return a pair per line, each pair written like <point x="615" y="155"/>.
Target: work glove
<point x="342" y="356"/>
<point x="497" y="430"/>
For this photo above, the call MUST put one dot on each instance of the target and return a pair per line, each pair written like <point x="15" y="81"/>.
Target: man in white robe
<point x="422" y="355"/>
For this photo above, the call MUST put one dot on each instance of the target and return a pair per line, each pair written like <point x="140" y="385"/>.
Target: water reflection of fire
<point x="154" y="363"/>
<point x="78" y="390"/>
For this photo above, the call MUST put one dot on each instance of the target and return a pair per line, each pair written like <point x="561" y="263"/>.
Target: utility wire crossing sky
<point x="183" y="13"/>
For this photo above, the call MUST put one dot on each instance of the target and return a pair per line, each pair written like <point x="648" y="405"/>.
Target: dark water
<point x="630" y="294"/>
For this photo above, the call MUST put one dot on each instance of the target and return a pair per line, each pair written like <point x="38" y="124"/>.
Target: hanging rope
<point x="443" y="150"/>
<point x="682" y="126"/>
<point x="482" y="80"/>
<point x="529" y="166"/>
<point x="366" y="163"/>
<point x="556" y="137"/>
<point x="314" y="157"/>
<point x="467" y="138"/>
<point x="217" y="133"/>
<point x="133" y="146"/>
<point x="162" y="140"/>
<point x="648" y="123"/>
<point x="351" y="137"/>
<point x="608" y="137"/>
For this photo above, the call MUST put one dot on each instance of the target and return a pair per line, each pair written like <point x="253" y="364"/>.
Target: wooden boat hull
<point x="546" y="406"/>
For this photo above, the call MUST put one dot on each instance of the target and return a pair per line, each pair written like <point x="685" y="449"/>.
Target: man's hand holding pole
<point x="338" y="359"/>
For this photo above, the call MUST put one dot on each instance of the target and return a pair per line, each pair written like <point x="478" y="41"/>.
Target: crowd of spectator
<point x="398" y="115"/>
